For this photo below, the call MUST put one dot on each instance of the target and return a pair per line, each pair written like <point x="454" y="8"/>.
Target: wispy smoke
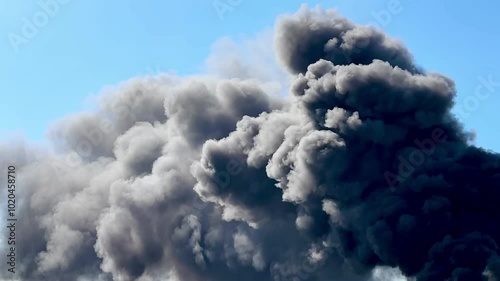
<point x="210" y="178"/>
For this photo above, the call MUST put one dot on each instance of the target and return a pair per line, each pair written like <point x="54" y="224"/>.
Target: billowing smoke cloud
<point x="360" y="174"/>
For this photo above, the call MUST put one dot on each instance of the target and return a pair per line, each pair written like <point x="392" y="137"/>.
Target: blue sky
<point x="86" y="45"/>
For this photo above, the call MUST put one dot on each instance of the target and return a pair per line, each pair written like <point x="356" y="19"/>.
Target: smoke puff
<point x="206" y="178"/>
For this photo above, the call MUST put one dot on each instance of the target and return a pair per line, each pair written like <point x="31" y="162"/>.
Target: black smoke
<point x="361" y="168"/>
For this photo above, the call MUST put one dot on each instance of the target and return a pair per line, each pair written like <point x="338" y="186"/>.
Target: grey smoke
<point x="213" y="178"/>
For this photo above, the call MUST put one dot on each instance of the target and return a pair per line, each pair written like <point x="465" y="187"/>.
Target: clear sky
<point x="85" y="45"/>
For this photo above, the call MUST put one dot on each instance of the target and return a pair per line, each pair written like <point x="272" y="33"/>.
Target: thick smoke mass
<point x="203" y="178"/>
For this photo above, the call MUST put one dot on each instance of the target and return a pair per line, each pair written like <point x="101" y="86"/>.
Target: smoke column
<point x="360" y="173"/>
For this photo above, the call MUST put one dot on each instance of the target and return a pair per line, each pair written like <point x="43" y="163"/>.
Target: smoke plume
<point x="360" y="173"/>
